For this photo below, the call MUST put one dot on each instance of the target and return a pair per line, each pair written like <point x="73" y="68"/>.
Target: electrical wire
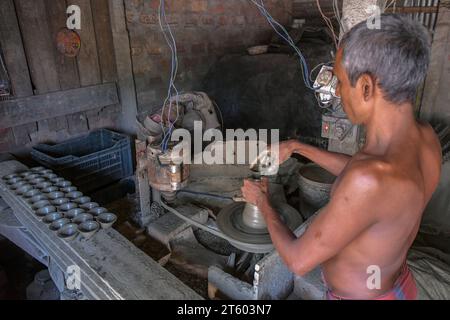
<point x="328" y="23"/>
<point x="170" y="39"/>
<point x="337" y="13"/>
<point x="220" y="113"/>
<point x="281" y="31"/>
<point x="386" y="5"/>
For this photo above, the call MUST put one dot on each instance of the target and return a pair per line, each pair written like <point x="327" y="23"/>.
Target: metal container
<point x="69" y="189"/>
<point x="58" y="224"/>
<point x="315" y="186"/>
<point x="24" y="189"/>
<point x="14" y="180"/>
<point x="106" y="220"/>
<point x="89" y="205"/>
<point x="68" y="232"/>
<point x="68" y="206"/>
<point x="97" y="211"/>
<point x="72" y="213"/>
<point x="42" y="212"/>
<point x="56" y="195"/>
<point x="74" y="195"/>
<point x="52" y="217"/>
<point x="37" y="198"/>
<point x="83" y="217"/>
<point x="49" y="189"/>
<point x="82" y="200"/>
<point x="60" y="201"/>
<point x="87" y="229"/>
<point x="32" y="177"/>
<point x="45" y="185"/>
<point x="32" y="193"/>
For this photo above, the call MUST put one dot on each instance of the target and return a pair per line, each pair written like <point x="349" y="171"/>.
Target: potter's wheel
<point x="243" y="222"/>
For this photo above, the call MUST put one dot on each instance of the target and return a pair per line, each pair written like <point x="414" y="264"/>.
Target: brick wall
<point x="204" y="31"/>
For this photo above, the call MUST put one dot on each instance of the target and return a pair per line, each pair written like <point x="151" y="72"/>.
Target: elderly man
<point x="379" y="197"/>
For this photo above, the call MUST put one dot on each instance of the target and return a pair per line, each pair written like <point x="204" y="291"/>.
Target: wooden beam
<point x="31" y="109"/>
<point x="413" y="10"/>
<point x="12" y="46"/>
<point x="122" y="51"/>
<point x="88" y="66"/>
<point x="39" y="47"/>
<point x="105" y="46"/>
<point x="392" y="10"/>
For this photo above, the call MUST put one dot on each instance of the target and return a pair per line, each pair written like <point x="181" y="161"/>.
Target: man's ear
<point x="367" y="86"/>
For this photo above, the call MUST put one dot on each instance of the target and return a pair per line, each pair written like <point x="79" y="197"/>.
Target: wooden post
<point x="13" y="51"/>
<point x="127" y="90"/>
<point x="142" y="181"/>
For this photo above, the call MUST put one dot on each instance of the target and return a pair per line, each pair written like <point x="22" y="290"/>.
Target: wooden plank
<point x="22" y="134"/>
<point x="111" y="267"/>
<point x="77" y="123"/>
<point x="125" y="76"/>
<point x="105" y="46"/>
<point x="88" y="66"/>
<point x="39" y="47"/>
<point x="25" y="110"/>
<point x="6" y="139"/>
<point x="66" y="67"/>
<point x="13" y="51"/>
<point x="105" y="117"/>
<point x="143" y="185"/>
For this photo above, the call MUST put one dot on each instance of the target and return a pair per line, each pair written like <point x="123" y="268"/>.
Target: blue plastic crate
<point x="90" y="162"/>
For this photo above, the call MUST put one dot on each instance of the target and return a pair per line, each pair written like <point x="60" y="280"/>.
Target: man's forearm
<point x="282" y="237"/>
<point x="335" y="163"/>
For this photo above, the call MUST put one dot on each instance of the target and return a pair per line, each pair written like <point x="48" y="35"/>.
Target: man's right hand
<point x="286" y="149"/>
<point x="330" y="161"/>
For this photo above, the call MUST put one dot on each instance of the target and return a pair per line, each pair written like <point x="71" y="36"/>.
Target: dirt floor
<point x="125" y="208"/>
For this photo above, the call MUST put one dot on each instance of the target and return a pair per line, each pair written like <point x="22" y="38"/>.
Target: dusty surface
<point x="125" y="208"/>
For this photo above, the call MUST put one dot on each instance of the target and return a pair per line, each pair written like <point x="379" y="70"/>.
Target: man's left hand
<point x="256" y="192"/>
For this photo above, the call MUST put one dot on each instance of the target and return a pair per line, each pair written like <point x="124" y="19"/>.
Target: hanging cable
<point x="328" y="23"/>
<point x="337" y="13"/>
<point x="172" y="89"/>
<point x="281" y="31"/>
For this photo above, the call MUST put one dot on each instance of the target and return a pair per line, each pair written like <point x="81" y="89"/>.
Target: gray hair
<point x="397" y="56"/>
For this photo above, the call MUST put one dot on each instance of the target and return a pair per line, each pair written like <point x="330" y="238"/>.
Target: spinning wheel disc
<point x="230" y="222"/>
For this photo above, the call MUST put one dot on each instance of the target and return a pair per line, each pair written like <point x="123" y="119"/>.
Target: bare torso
<point x="408" y="169"/>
